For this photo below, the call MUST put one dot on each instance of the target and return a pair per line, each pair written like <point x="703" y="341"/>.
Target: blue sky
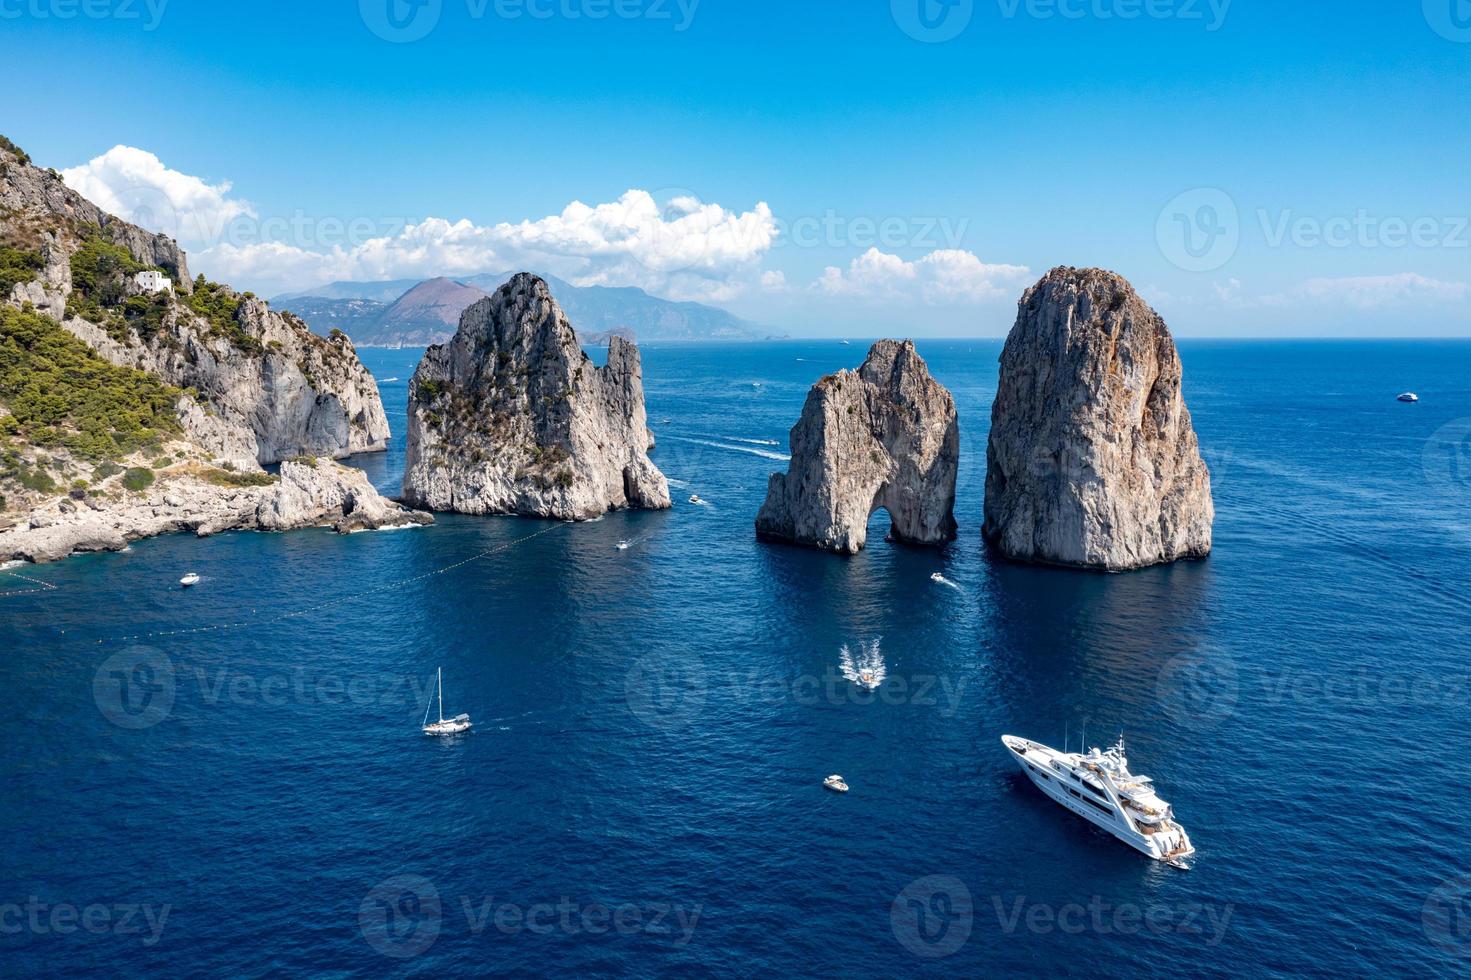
<point x="824" y="166"/>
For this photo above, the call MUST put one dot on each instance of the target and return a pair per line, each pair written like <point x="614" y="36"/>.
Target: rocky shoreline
<point x="313" y="493"/>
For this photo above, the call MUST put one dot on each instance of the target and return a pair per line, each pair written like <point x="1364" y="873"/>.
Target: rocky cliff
<point x="511" y="417"/>
<point x="135" y="404"/>
<point x="273" y="388"/>
<point x="203" y="501"/>
<point x="1092" y="460"/>
<point x="885" y="436"/>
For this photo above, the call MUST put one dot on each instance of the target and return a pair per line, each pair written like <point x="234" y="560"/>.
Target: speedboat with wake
<point x="445" y="726"/>
<point x="695" y="499"/>
<point x="1099" y="787"/>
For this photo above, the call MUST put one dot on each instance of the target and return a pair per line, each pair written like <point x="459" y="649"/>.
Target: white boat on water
<point x="445" y="726"/>
<point x="695" y="499"/>
<point x="188" y="580"/>
<point x="1409" y="396"/>
<point x="835" y="783"/>
<point x="1099" y="787"/>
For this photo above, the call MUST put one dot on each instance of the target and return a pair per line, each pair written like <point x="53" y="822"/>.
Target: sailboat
<point x="451" y="726"/>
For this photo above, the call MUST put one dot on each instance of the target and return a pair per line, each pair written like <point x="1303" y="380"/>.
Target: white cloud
<point x="1361" y="293"/>
<point x="1373" y="292"/>
<point x="135" y="185"/>
<point x="683" y="248"/>
<point x="942" y="276"/>
<point x="774" y="280"/>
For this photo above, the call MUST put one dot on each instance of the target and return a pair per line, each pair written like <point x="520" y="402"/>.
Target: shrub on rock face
<point x="138" y="478"/>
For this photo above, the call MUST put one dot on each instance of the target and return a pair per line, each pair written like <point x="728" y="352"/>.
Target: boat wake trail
<point x="866" y="668"/>
<point x="939" y="579"/>
<point x="763" y="453"/>
<point x="748" y="442"/>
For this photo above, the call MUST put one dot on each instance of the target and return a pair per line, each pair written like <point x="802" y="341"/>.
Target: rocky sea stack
<point x="1092" y="459"/>
<point x="885" y="436"/>
<point x="511" y="417"/>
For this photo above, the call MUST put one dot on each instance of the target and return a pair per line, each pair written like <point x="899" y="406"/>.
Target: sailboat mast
<point x="441" y="695"/>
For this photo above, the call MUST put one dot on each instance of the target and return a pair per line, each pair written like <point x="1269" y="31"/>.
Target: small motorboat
<point x="445" y="726"/>
<point x="188" y="580"/>
<point x="625" y="544"/>
<point x="867" y="679"/>
<point x="835" y="783"/>
<point x="1409" y="396"/>
<point x="663" y="421"/>
<point x="937" y="577"/>
<point x="695" y="499"/>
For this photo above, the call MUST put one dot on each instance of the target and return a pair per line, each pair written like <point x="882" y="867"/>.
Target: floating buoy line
<point x="338" y="601"/>
<point x="40" y="586"/>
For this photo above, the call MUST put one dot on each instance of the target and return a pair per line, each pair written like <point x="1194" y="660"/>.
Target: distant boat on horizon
<point x="1409" y="396"/>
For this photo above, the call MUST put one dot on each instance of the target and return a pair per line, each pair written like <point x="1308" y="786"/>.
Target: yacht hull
<point x="1040" y="763"/>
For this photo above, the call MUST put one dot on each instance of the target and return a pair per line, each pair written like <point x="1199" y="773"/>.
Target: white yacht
<point x="444" y="726"/>
<point x="835" y="783"/>
<point x="1409" y="396"/>
<point x="1098" y="786"/>
<point x="189" y="580"/>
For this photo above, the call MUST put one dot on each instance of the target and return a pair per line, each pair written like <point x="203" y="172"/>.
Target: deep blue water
<point x="652" y="724"/>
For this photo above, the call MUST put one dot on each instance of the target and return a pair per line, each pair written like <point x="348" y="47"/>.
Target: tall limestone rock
<point x="265" y="388"/>
<point x="885" y="436"/>
<point x="1092" y="460"/>
<point x="511" y="417"/>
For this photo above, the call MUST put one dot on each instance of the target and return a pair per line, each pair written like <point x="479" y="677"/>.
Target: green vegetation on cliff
<point x="22" y="155"/>
<point x="17" y="266"/>
<point x="61" y="394"/>
<point x="220" y="305"/>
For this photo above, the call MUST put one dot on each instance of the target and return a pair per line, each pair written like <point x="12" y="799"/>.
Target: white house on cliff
<point x="153" y="281"/>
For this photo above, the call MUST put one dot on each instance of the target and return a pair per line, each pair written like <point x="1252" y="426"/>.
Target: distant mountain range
<point x="410" y="313"/>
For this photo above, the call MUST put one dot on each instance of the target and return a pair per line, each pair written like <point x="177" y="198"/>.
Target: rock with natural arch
<point x="884" y="436"/>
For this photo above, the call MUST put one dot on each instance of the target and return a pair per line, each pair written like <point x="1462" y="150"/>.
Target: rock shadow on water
<point x="1074" y="644"/>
